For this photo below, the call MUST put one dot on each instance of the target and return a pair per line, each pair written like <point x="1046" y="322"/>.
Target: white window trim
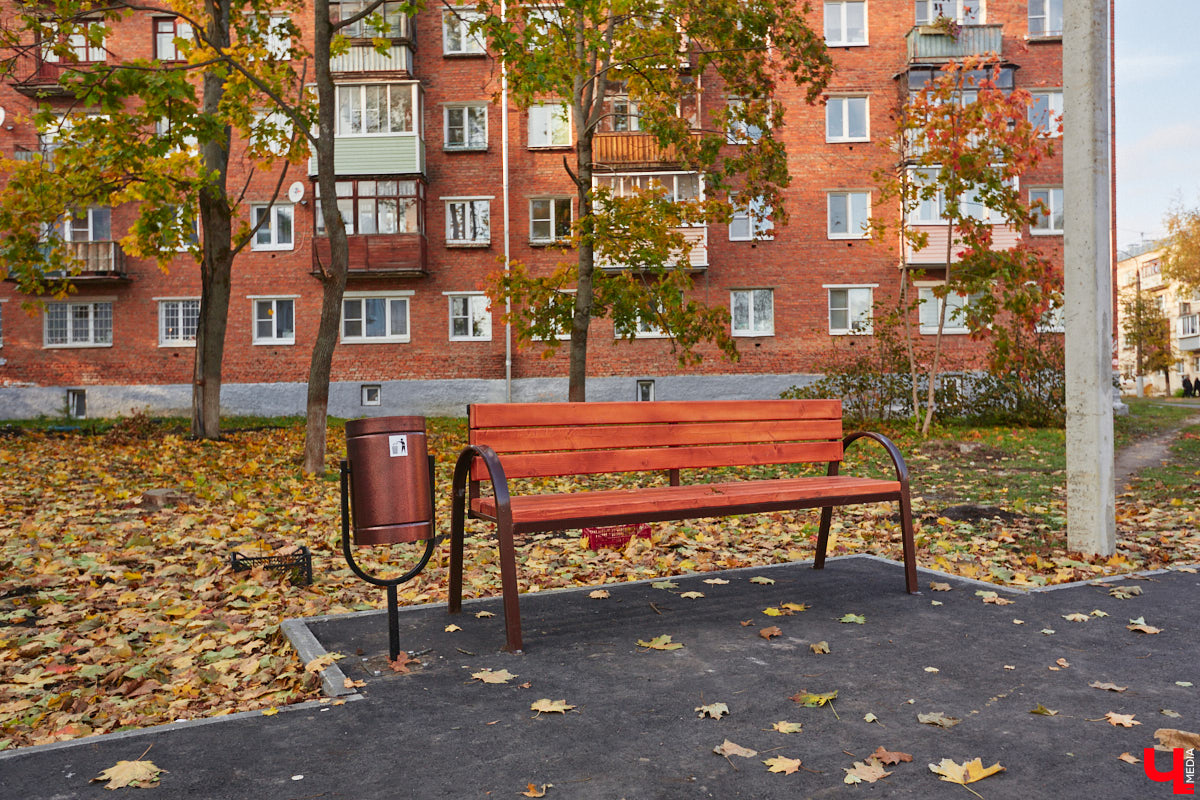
<point x="549" y="145"/>
<point x="850" y="234"/>
<point x="957" y="16"/>
<point x="1051" y="231"/>
<point x="463" y="148"/>
<point x="761" y="225"/>
<point x="751" y="333"/>
<point x="1056" y="116"/>
<point x="866" y="116"/>
<point x="870" y="328"/>
<point x="446" y="201"/>
<point x="406" y="294"/>
<point x="450" y="296"/>
<point x="3" y="300"/>
<point x="272" y="226"/>
<point x="553" y="239"/>
<point x="164" y="342"/>
<point x="274" y="341"/>
<point x="414" y="99"/>
<point x="952" y="327"/>
<point x="463" y="16"/>
<point x="81" y="345"/>
<point x="866" y="24"/>
<point x="1050" y="33"/>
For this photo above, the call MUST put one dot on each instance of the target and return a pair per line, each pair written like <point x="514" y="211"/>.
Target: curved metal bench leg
<point x="508" y="579"/>
<point x="823" y="537"/>
<point x="910" y="547"/>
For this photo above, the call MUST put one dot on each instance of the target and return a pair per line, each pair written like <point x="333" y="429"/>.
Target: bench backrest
<point x="547" y="439"/>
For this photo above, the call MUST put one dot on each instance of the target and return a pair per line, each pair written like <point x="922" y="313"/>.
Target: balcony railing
<point x="934" y="252"/>
<point x="34" y="77"/>
<point x="927" y="43"/>
<point x="358" y="58"/>
<point x="385" y="255"/>
<point x="694" y="235"/>
<point x="631" y="149"/>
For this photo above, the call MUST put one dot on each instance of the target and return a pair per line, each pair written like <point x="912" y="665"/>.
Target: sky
<point x="1158" y="113"/>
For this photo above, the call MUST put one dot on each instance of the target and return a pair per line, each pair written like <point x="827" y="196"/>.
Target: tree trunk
<point x="216" y="265"/>
<point x="930" y="398"/>
<point x="333" y="275"/>
<point x="584" y="289"/>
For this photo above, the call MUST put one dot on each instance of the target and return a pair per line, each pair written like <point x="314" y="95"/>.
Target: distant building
<point x="1143" y="270"/>
<point x="423" y="190"/>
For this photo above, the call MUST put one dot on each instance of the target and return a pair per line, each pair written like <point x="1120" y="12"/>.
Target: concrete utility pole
<point x="1087" y="188"/>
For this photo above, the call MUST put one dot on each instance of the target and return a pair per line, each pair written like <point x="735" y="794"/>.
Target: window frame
<point x="355" y="200"/>
<point x="758" y="222"/>
<point x="467" y="145"/>
<point x="740" y="131"/>
<point x="94" y="316"/>
<point x="957" y="16"/>
<point x="848" y="194"/>
<point x="275" y="338"/>
<point x="952" y="327"/>
<point x="85" y="52"/>
<point x="361" y="32"/>
<point x="470" y="220"/>
<point x="539" y="126"/>
<point x="1057" y="211"/>
<point x="389" y="297"/>
<point x="272" y="226"/>
<point x="850" y="329"/>
<point x="180" y="29"/>
<point x="845" y="135"/>
<point x="751" y="331"/>
<point x="463" y="16"/>
<point x="842" y="27"/>
<point x="555" y="202"/>
<point x="472" y="300"/>
<point x="1047" y="15"/>
<point x="1050" y="123"/>
<point x="182" y="339"/>
<point x="344" y="90"/>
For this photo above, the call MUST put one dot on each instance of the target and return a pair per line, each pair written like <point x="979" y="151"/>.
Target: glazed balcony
<point x="1189" y="333"/>
<point x="927" y="43"/>
<point x="385" y="255"/>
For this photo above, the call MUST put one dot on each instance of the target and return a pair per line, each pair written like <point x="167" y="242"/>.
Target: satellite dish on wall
<point x="296" y="192"/>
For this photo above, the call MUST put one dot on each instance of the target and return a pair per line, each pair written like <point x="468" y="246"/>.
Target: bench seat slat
<point x="608" y="437"/>
<point x="585" y="462"/>
<point x="658" y="503"/>
<point x="520" y="415"/>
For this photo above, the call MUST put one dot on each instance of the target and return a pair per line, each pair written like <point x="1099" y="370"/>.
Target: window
<point x="457" y="39"/>
<point x="466" y="127"/>
<point x="78" y="325"/>
<point x="177" y="321"/>
<point x="377" y="207"/>
<point x="753" y="312"/>
<point x="1045" y="17"/>
<point x="623" y="115"/>
<point x="644" y="391"/>
<point x="964" y="12"/>
<point x="470" y="318"/>
<point x="549" y="125"/>
<point x="274" y="227"/>
<point x="931" y="209"/>
<point x="87" y="225"/>
<point x="375" y="318"/>
<point x="677" y="187"/>
<point x="1046" y="112"/>
<point x="375" y="108"/>
<point x="278" y="40"/>
<point x="740" y="131"/>
<point x="1050" y="220"/>
<point x="371" y="394"/>
<point x="846" y="119"/>
<point x="850" y="309"/>
<point x="549" y="219"/>
<point x="395" y="24"/>
<point x="270" y="132"/>
<point x="467" y="221"/>
<point x="845" y="23"/>
<point x="645" y="326"/>
<point x="77" y="403"/>
<point x="931" y="307"/>
<point x="166" y="31"/>
<point x="274" y="321"/>
<point x="848" y="214"/>
<point x="751" y="223"/>
<point x="85" y="46"/>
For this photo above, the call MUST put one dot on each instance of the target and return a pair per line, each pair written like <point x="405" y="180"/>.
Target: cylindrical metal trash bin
<point x="390" y="490"/>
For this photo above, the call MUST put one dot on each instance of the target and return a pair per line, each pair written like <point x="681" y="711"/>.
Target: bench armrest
<point x="888" y="444"/>
<point x="462" y="470"/>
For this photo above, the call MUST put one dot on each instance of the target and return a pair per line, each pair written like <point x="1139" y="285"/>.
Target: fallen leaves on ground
<point x="787" y="727"/>
<point x="967" y="772"/>
<point x="1129" y="758"/>
<point x="820" y="648"/>
<point x="938" y="718"/>
<point x="767" y="633"/>
<point x="867" y="771"/>
<point x="138" y="774"/>
<point x="856" y="619"/>
<point x="1170" y="738"/>
<point x="598" y="594"/>
<point x="713" y="710"/>
<point x="548" y="706"/>
<point x="813" y="700"/>
<point x="1122" y="720"/>
<point x="728" y="748"/>
<point x="662" y="642"/>
<point x="781" y="764"/>
<point x="1139" y="626"/>
<point x="890" y="757"/>
<point x="1042" y="710"/>
<point x="534" y="790"/>
<point x="993" y="598"/>
<point x="493" y="676"/>
<point x="1107" y="685"/>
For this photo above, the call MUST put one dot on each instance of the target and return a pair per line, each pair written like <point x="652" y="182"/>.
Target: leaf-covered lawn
<point x="115" y="616"/>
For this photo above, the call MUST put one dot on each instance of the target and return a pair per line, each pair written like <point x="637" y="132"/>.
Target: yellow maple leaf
<point x="660" y="643"/>
<point x="787" y="727"/>
<point x="548" y="706"/>
<point x="139" y="774"/>
<point x="535" y="791"/>
<point x="785" y="765"/>
<point x="967" y="772"/>
<point x="493" y="676"/>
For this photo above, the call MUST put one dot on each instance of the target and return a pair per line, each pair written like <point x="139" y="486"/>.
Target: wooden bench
<point x="533" y="440"/>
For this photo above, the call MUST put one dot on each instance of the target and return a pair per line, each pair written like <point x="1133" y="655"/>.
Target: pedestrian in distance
<point x="1187" y="386"/>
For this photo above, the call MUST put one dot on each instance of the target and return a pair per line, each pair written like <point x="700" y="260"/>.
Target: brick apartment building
<point x="426" y="197"/>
